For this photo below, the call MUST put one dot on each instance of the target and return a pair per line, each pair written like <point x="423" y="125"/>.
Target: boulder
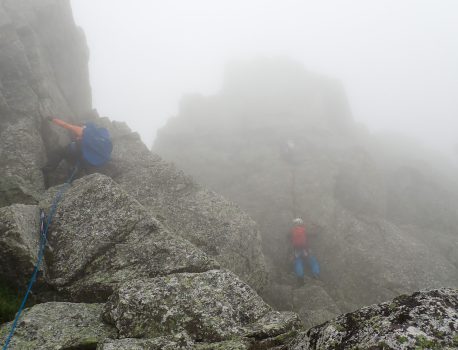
<point x="210" y="306"/>
<point x="173" y="342"/>
<point x="423" y="320"/>
<point x="177" y="342"/>
<point x="59" y="326"/>
<point x="101" y="236"/>
<point x="275" y="329"/>
<point x="234" y="344"/>
<point x="273" y="324"/>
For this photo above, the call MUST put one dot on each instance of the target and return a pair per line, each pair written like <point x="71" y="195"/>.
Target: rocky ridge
<point x="139" y="256"/>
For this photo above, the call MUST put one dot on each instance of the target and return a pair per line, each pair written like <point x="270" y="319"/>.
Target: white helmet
<point x="298" y="221"/>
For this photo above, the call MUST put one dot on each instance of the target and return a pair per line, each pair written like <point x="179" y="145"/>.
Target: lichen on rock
<point x="101" y="237"/>
<point x="57" y="325"/>
<point x="423" y="320"/>
<point x="209" y="306"/>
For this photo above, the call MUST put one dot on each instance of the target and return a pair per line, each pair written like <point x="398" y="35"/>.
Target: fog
<point x="396" y="59"/>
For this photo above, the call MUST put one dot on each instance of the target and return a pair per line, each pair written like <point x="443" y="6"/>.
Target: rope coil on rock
<point x="41" y="248"/>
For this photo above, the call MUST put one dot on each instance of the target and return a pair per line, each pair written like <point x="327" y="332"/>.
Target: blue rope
<point x="41" y="249"/>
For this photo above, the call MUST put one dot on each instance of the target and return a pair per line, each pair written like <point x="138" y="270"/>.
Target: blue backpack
<point x="96" y="145"/>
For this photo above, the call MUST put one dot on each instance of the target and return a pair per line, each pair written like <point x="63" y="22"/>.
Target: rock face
<point x="59" y="326"/>
<point x="43" y="65"/>
<point x="423" y="320"/>
<point x="280" y="142"/>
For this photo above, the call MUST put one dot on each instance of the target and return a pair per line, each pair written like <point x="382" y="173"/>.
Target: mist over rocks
<point x="141" y="218"/>
<point x="380" y="222"/>
<point x="137" y="248"/>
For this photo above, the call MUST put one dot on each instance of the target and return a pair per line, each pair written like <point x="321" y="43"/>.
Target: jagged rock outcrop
<point x="59" y="326"/>
<point x="43" y="71"/>
<point x="423" y="320"/>
<point x="374" y="233"/>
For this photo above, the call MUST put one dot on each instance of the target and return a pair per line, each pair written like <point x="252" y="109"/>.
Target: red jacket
<point x="299" y="237"/>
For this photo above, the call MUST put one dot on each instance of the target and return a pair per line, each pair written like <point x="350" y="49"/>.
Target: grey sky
<point x="398" y="59"/>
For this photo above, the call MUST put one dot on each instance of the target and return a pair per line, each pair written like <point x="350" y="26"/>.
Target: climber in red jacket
<point x="299" y="243"/>
<point x="299" y="238"/>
